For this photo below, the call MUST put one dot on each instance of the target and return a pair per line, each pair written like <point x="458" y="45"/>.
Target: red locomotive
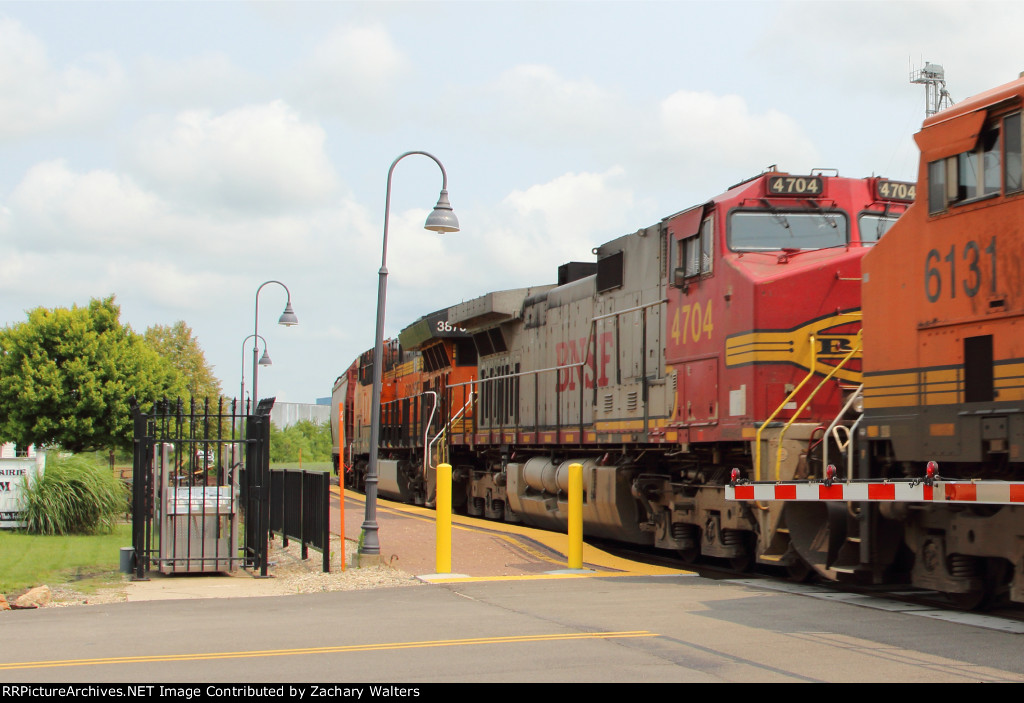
<point x="724" y="335"/>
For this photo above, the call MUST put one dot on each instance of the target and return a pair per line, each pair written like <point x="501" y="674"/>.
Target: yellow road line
<point x="340" y="649"/>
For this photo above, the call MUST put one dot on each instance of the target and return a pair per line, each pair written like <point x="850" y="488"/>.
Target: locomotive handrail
<point x="792" y="394"/>
<point x="516" y="374"/>
<point x="426" y="431"/>
<point x="427" y="453"/>
<point x="627" y="310"/>
<point x="856" y="349"/>
<point x="832" y="428"/>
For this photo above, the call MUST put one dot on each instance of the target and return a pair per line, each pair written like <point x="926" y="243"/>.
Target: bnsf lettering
<point x="572" y="352"/>
<point x="835" y="346"/>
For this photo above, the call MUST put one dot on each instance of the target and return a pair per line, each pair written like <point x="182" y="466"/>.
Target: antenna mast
<point x="936" y="97"/>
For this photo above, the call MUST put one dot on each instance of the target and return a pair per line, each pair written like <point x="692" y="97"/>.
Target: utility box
<point x="198" y="523"/>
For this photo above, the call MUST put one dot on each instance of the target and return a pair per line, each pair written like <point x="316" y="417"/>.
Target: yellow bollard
<point x="575" y="516"/>
<point x="443" y="509"/>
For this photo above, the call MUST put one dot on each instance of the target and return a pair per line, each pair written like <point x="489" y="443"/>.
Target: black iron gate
<point x="189" y="489"/>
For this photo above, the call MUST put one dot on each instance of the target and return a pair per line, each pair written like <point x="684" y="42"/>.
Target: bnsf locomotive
<point x="763" y="377"/>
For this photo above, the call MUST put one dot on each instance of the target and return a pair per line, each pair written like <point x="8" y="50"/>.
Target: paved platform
<point x="481" y="549"/>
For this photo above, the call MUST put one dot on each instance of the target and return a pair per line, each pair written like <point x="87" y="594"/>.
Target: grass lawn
<point x="90" y="561"/>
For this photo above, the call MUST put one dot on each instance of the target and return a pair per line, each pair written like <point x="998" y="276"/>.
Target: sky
<point x="178" y="155"/>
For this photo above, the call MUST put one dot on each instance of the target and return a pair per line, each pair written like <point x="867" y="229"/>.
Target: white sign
<point x="13" y="475"/>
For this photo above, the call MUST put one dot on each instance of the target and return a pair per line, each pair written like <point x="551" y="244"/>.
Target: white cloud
<point x="538" y="105"/>
<point x="574" y="208"/>
<point x="869" y="51"/>
<point x="127" y="229"/>
<point x="725" y="138"/>
<point x="209" y="79"/>
<point x="354" y="72"/>
<point x="55" y="207"/>
<point x="36" y="97"/>
<point x="536" y="230"/>
<point x="255" y="159"/>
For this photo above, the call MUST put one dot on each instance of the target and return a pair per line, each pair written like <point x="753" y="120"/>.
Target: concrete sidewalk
<point x="481" y="549"/>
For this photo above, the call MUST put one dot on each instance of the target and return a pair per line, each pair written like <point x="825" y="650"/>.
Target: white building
<point x="287" y="414"/>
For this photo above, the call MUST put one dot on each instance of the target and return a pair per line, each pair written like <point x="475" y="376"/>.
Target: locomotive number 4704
<point x="691" y="324"/>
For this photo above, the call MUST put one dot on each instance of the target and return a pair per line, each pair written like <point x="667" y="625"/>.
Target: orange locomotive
<point x="416" y="407"/>
<point x="952" y="390"/>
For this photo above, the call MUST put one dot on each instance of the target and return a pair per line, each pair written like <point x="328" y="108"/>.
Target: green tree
<point x="177" y="345"/>
<point x="67" y="375"/>
<point x="313" y="438"/>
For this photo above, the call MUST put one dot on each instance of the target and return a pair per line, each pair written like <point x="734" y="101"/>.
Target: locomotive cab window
<point x="1013" y="170"/>
<point x="981" y="173"/>
<point x="696" y="253"/>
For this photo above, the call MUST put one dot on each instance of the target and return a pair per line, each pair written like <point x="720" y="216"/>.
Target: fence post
<point x="140" y="474"/>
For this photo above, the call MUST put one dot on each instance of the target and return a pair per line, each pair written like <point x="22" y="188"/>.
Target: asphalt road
<point x="680" y="628"/>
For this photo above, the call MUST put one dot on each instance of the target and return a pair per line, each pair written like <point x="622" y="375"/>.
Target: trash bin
<point x="127" y="560"/>
<point x="197" y="535"/>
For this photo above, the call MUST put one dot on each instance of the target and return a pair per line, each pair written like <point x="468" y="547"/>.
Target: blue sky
<point x="179" y="154"/>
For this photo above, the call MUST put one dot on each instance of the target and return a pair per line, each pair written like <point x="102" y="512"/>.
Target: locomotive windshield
<point x="873" y="225"/>
<point x="777" y="229"/>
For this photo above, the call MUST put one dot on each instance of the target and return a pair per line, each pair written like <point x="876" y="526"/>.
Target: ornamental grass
<point x="75" y="495"/>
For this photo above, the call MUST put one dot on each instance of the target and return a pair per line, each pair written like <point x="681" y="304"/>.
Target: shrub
<point x="75" y="495"/>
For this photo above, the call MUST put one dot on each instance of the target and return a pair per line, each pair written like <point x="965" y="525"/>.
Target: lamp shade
<point x="265" y="359"/>
<point x="288" y="317"/>
<point x="443" y="218"/>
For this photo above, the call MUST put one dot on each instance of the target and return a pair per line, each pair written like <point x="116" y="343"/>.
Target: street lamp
<point x="442" y="219"/>
<point x="287" y="319"/>
<point x="264" y="361"/>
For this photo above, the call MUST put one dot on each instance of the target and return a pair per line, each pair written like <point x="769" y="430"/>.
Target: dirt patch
<point x="291" y="573"/>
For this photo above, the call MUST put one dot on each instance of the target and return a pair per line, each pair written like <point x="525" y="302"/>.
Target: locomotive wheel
<point x="742" y="563"/>
<point x="689" y="556"/>
<point x="972" y="600"/>
<point x="798" y="570"/>
<point x="745" y="561"/>
<point x="994" y="587"/>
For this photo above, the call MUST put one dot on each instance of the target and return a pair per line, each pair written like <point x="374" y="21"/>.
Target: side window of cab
<point x="992" y="167"/>
<point x="696" y="254"/>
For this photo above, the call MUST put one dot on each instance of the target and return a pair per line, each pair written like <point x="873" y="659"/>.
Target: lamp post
<point x="287" y="319"/>
<point x="442" y="219"/>
<point x="264" y="361"/>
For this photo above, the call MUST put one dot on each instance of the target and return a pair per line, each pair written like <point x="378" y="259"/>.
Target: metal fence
<point x="299" y="510"/>
<point x="189" y="493"/>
